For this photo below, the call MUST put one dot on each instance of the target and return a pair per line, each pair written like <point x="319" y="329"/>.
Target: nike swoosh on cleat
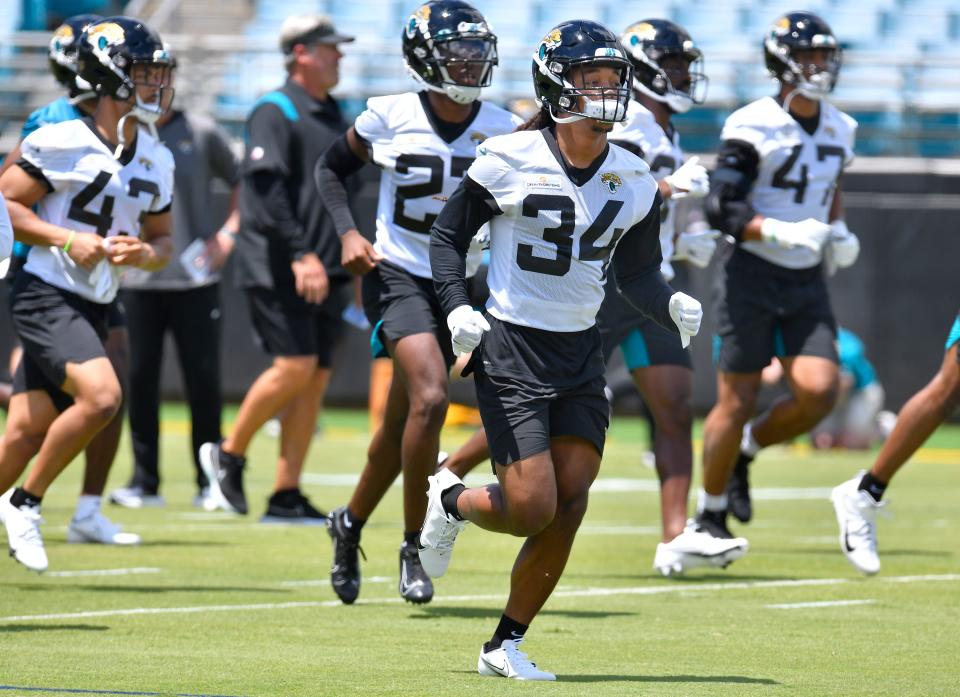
<point x="846" y="541"/>
<point x="500" y="669"/>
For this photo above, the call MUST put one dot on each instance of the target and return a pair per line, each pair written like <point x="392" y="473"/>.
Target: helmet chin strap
<point x="677" y="103"/>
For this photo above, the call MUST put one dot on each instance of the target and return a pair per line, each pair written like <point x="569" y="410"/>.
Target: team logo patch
<point x="549" y="42"/>
<point x="478" y="137"/>
<point x="419" y="19"/>
<point x="612" y="181"/>
<point x="147" y="164"/>
<point x="104" y="35"/>
<point x="542" y="181"/>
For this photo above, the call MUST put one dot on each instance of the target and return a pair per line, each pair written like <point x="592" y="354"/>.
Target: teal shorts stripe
<point x="635" y="353"/>
<point x="377" y="349"/>
<point x="954" y="335"/>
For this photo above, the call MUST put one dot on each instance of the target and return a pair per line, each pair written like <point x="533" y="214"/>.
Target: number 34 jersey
<point x="423" y="161"/>
<point x="91" y="191"/>
<point x="551" y="246"/>
<point x="798" y="171"/>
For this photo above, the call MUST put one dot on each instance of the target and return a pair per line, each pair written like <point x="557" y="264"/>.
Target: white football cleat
<point x="510" y="662"/>
<point x="23" y="533"/>
<point x="135" y="497"/>
<point x="857" y="516"/>
<point x="439" y="529"/>
<point x="98" y="529"/>
<point x="694" y="548"/>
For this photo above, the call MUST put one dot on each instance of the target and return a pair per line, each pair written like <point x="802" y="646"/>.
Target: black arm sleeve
<point x="464" y="213"/>
<point x="332" y="170"/>
<point x="273" y="212"/>
<point x="636" y="264"/>
<point x="730" y="183"/>
<point x="35" y="172"/>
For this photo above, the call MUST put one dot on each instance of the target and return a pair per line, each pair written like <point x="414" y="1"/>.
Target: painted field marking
<point x="820" y="603"/>
<point x="133" y="571"/>
<point x="80" y="691"/>
<point x="577" y="593"/>
<point x="326" y="582"/>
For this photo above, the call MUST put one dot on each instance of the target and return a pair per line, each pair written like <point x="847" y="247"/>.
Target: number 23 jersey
<point x="551" y="244"/>
<point x="91" y="191"/>
<point x="798" y="171"/>
<point x="423" y="161"/>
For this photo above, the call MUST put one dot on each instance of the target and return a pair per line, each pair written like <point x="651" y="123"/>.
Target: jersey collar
<point x="575" y="174"/>
<point x="126" y="157"/>
<point x="447" y="130"/>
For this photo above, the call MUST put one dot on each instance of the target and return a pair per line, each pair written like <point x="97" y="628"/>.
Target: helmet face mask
<point x="449" y="48"/>
<point x="802" y="51"/>
<point x="580" y="71"/>
<point x="668" y="66"/>
<point x="125" y="60"/>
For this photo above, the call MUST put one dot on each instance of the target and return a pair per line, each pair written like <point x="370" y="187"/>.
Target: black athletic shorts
<point x="116" y="315"/>
<point x="643" y="342"/>
<point x="285" y="327"/>
<point x="522" y="406"/>
<point x="55" y="327"/>
<point x="399" y="304"/>
<point x="764" y="310"/>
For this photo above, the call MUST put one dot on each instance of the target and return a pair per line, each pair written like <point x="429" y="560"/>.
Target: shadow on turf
<point x="143" y="589"/>
<point x="17" y="628"/>
<point x="883" y="553"/>
<point x="430" y="612"/>
<point x="735" y="679"/>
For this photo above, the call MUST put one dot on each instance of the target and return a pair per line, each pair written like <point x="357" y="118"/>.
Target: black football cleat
<point x="225" y="473"/>
<point x="415" y="586"/>
<point x="345" y="570"/>
<point x="738" y="490"/>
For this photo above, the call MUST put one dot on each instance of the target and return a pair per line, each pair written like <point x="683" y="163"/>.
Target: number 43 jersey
<point x="798" y="171"/>
<point x="558" y="227"/>
<point x="423" y="161"/>
<point x="91" y="191"/>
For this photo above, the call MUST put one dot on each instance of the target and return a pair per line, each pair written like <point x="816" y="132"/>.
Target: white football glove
<point x="809" y="233"/>
<point x="844" y="245"/>
<point x="696" y="247"/>
<point x="690" y="180"/>
<point x="480" y="241"/>
<point x="686" y="313"/>
<point x="466" y="329"/>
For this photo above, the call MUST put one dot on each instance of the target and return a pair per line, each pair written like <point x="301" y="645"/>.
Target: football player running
<point x="857" y="501"/>
<point x="102" y="189"/>
<point x="776" y="191"/>
<point x="667" y="80"/>
<point x="423" y="142"/>
<point x="558" y="198"/>
<point x="88" y="523"/>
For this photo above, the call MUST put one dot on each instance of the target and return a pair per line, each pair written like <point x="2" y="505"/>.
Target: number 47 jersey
<point x="91" y="191"/>
<point x="558" y="227"/>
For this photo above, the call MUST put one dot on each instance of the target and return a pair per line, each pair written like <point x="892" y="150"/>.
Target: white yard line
<point x="603" y="485"/>
<point x="820" y="603"/>
<point x="326" y="582"/>
<point x="133" y="571"/>
<point x="578" y="593"/>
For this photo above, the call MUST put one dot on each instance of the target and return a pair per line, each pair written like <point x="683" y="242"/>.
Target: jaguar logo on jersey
<point x="421" y="19"/>
<point x="478" y="137"/>
<point x="104" y="35"/>
<point x="551" y="40"/>
<point x="147" y="164"/>
<point x="611" y="181"/>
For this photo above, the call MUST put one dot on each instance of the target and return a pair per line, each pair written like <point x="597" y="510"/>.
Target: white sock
<point x="709" y="502"/>
<point x="86" y="506"/>
<point x="748" y="444"/>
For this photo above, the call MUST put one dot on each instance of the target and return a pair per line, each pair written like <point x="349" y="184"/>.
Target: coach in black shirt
<point x="288" y="261"/>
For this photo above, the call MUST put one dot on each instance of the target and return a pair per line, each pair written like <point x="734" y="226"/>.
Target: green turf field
<point x="216" y="605"/>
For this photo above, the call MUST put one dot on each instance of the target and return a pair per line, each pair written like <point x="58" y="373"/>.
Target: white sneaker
<point x="23" y="533"/>
<point x="134" y="497"/>
<point x="439" y="529"/>
<point x="98" y="529"/>
<point x="204" y="500"/>
<point x="857" y="516"/>
<point x="510" y="662"/>
<point x="692" y="549"/>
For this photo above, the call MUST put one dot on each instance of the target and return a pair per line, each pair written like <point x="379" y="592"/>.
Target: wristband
<point x="66" y="246"/>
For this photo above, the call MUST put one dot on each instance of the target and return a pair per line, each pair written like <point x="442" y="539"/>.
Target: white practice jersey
<point x="93" y="192"/>
<point x="551" y="246"/>
<point x="420" y="171"/>
<point x="663" y="154"/>
<point x="6" y="231"/>
<point x="798" y="172"/>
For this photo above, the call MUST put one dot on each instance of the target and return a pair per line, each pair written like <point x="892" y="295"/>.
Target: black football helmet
<point x="62" y="54"/>
<point x="111" y="57"/>
<point x="650" y="41"/>
<point x="799" y="31"/>
<point x="581" y="43"/>
<point x="450" y="48"/>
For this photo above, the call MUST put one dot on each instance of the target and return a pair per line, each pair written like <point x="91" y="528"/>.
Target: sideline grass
<point x="649" y="637"/>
